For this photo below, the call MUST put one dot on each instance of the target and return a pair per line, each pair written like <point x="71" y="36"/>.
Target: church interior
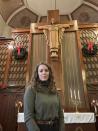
<point x="63" y="33"/>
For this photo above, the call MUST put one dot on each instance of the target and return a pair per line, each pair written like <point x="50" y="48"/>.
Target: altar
<point x="79" y="121"/>
<point x="73" y="122"/>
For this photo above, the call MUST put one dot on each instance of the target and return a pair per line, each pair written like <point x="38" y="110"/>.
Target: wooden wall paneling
<point x="38" y="49"/>
<point x="21" y="127"/>
<point x="18" y="68"/>
<point x="7" y="64"/>
<point x="82" y="68"/>
<point x="3" y="61"/>
<point x="80" y="127"/>
<point x="14" y="73"/>
<point x="73" y="81"/>
<point x="8" y="111"/>
<point x="90" y="65"/>
<point x="90" y="62"/>
<point x="28" y="74"/>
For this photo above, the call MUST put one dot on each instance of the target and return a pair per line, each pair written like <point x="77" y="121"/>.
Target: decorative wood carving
<point x="90" y="62"/>
<point x="18" y="68"/>
<point x="3" y="60"/>
<point x="89" y="32"/>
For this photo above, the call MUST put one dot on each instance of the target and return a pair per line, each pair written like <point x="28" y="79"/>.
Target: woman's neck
<point x="44" y="83"/>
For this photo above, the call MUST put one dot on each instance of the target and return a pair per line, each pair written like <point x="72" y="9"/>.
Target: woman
<point x="42" y="108"/>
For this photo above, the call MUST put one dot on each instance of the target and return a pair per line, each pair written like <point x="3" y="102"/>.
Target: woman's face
<point x="43" y="72"/>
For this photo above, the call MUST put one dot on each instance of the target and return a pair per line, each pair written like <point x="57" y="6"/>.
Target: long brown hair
<point x="51" y="82"/>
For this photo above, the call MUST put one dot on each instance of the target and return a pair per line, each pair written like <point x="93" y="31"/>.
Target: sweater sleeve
<point x="29" y="103"/>
<point x="61" y="117"/>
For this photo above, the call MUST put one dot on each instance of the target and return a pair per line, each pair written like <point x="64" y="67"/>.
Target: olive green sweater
<point x="41" y="105"/>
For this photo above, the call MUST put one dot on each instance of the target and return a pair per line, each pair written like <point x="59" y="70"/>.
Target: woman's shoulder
<point x="29" y="87"/>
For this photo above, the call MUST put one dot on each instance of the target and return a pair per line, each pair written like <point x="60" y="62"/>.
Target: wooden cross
<point x="53" y="31"/>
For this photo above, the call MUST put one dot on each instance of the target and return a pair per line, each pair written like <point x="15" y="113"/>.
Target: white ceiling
<point x="64" y="6"/>
<point x="20" y="13"/>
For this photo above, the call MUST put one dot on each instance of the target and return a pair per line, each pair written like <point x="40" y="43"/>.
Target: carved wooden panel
<point x="13" y="72"/>
<point x="89" y="36"/>
<point x="8" y="111"/>
<point x="3" y="61"/>
<point x="80" y="127"/>
<point x="90" y="61"/>
<point x="18" y="68"/>
<point x="17" y="73"/>
<point x="91" y="67"/>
